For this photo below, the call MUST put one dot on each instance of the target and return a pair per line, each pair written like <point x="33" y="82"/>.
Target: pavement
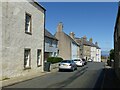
<point x="19" y="79"/>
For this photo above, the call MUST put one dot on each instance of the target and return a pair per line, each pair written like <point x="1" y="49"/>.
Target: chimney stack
<point x="60" y="27"/>
<point x="91" y="40"/>
<point x="85" y="38"/>
<point x="72" y="35"/>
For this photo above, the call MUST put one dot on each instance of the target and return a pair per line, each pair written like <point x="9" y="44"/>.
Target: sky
<point x="94" y="19"/>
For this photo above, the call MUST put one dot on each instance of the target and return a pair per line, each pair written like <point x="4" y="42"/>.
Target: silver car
<point x="67" y="65"/>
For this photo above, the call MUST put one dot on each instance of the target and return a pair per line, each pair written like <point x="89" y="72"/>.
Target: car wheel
<point x="76" y="68"/>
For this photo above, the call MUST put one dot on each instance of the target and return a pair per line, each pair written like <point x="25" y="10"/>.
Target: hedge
<point x="54" y="59"/>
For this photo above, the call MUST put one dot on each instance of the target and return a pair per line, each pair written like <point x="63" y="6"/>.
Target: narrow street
<point x="89" y="76"/>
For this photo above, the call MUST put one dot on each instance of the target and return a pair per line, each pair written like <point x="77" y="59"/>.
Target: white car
<point x="67" y="65"/>
<point x="79" y="62"/>
<point x="90" y="60"/>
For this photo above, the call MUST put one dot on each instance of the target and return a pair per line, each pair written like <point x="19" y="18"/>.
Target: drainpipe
<point x="43" y="43"/>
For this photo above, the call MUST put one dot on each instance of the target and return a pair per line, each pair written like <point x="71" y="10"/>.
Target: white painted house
<point x="98" y="54"/>
<point x="93" y="53"/>
<point x="22" y="38"/>
<point x="51" y="45"/>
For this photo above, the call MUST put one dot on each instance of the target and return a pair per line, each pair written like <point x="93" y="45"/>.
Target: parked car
<point x="90" y="60"/>
<point x="85" y="61"/>
<point x="79" y="62"/>
<point x="67" y="65"/>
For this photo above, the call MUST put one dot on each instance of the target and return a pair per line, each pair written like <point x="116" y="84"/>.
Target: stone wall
<point x="54" y="66"/>
<point x="15" y="40"/>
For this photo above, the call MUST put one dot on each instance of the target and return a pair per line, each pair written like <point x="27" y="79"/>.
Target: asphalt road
<point x="89" y="76"/>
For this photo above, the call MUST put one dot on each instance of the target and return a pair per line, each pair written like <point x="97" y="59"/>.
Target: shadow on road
<point x="107" y="79"/>
<point x="110" y="79"/>
<point x="70" y="79"/>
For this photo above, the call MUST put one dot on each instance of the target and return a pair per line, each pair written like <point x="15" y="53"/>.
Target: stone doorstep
<point x="21" y="79"/>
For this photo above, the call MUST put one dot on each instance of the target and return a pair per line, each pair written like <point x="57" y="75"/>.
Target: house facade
<point x="22" y="40"/>
<point x="89" y="50"/>
<point x="68" y="48"/>
<point x="98" y="53"/>
<point x="93" y="50"/>
<point x="117" y="44"/>
<point x="74" y="46"/>
<point x="51" y="45"/>
<point x="86" y="47"/>
<point x="93" y="53"/>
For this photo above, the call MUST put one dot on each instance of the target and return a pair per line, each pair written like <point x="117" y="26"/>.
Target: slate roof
<point x="71" y="39"/>
<point x="35" y="1"/>
<point x="49" y="35"/>
<point x="88" y="43"/>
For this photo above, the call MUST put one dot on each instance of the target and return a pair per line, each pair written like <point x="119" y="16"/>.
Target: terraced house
<point x="22" y="38"/>
<point x="51" y="45"/>
<point x="89" y="50"/>
<point x="68" y="47"/>
<point x="117" y="43"/>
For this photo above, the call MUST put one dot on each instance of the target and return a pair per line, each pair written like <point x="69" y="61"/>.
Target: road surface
<point x="88" y="76"/>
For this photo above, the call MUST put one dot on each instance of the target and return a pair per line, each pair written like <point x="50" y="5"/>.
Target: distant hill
<point x="105" y="53"/>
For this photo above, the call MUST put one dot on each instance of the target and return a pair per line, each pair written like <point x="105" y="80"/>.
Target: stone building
<point x="117" y="43"/>
<point x="68" y="48"/>
<point x="93" y="50"/>
<point x="51" y="45"/>
<point x="22" y="38"/>
<point x="85" y="47"/>
<point x="89" y="50"/>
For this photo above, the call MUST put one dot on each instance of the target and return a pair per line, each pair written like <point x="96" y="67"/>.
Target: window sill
<point x="39" y="65"/>
<point x="27" y="68"/>
<point x="50" y="46"/>
<point x="28" y="33"/>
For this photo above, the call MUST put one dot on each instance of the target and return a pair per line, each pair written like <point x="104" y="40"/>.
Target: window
<point x="56" y="44"/>
<point x="51" y="43"/>
<point x="27" y="58"/>
<point x="55" y="54"/>
<point x="39" y="58"/>
<point x="27" y="23"/>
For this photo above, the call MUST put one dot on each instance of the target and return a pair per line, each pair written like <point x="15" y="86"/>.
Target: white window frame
<point x="27" y="58"/>
<point x="28" y="23"/>
<point x="39" y="57"/>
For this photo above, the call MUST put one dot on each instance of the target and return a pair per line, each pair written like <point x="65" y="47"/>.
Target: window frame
<point x="51" y="43"/>
<point x="27" y="67"/>
<point x="26" y="31"/>
<point x="40" y="58"/>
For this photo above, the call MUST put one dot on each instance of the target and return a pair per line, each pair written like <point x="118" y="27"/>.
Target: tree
<point x="111" y="54"/>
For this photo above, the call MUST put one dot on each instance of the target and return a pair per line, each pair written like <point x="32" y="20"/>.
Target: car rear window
<point x="76" y="60"/>
<point x="66" y="61"/>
